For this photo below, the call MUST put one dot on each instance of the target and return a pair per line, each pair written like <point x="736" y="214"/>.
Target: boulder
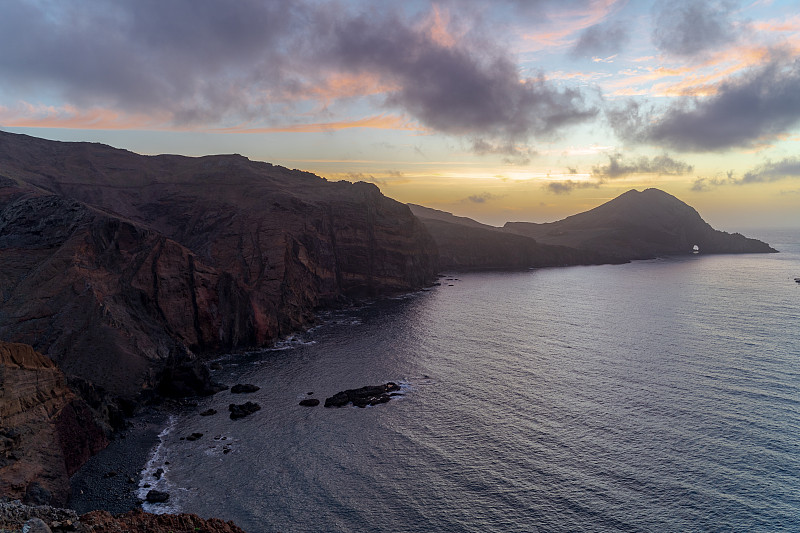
<point x="157" y="496"/>
<point x="309" y="402"/>
<point x="242" y="410"/>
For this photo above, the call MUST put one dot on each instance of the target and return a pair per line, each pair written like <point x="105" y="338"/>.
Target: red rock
<point x="138" y="520"/>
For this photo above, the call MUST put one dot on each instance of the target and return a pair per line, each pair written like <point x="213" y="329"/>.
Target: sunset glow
<point x="493" y="110"/>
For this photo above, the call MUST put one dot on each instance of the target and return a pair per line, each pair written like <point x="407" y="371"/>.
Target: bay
<point x="660" y="395"/>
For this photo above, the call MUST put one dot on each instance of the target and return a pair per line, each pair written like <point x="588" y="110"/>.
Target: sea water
<point x="659" y="395"/>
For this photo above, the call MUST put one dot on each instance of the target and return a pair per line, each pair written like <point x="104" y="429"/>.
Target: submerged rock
<point x="244" y="388"/>
<point x="369" y="395"/>
<point x="309" y="402"/>
<point x="242" y="410"/>
<point x="208" y="412"/>
<point x="194" y="436"/>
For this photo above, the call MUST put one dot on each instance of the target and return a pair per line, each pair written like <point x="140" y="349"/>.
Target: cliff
<point x="47" y="432"/>
<point x="639" y="225"/>
<point x="466" y="244"/>
<point x="118" y="265"/>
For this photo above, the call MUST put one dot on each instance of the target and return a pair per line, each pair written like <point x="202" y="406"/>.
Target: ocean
<point x="660" y="395"/>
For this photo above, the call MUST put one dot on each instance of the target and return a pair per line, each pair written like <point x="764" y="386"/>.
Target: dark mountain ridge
<point x="116" y="264"/>
<point x="639" y="225"/>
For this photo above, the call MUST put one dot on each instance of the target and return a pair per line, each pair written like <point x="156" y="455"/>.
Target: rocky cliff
<point x="639" y="225"/>
<point x="47" y="432"/>
<point x="117" y="265"/>
<point x="465" y="244"/>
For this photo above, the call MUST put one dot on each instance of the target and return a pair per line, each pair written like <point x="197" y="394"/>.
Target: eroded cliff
<point x="117" y="264"/>
<point x="47" y="432"/>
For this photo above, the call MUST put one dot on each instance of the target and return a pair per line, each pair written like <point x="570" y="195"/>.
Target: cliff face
<point x="47" y="432"/>
<point x="639" y="225"/>
<point x="466" y="244"/>
<point x="114" y="263"/>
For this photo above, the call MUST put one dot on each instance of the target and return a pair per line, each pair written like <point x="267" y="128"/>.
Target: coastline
<point x="94" y="487"/>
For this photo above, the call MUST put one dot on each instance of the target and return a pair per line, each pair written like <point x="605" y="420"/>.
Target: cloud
<point x="483" y="197"/>
<point x="745" y="111"/>
<point x="263" y="62"/>
<point x="691" y="27"/>
<point x="567" y="186"/>
<point x="470" y="88"/>
<point x="784" y="169"/>
<point x="708" y="184"/>
<point x="603" y="39"/>
<point x="618" y="167"/>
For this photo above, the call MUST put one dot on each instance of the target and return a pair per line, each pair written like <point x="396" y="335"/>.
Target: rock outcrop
<point x="47" y="431"/>
<point x="15" y="517"/>
<point x="639" y="225"/>
<point x="117" y="264"/>
<point x="369" y="395"/>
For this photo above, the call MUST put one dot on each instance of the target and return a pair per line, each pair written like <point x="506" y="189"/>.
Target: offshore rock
<point x="369" y="395"/>
<point x="243" y="410"/>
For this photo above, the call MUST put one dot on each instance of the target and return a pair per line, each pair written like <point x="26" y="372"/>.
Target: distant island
<point x="120" y="274"/>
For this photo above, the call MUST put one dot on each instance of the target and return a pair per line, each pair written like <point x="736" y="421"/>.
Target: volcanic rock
<point x="120" y="265"/>
<point x="47" y="432"/>
<point x="156" y="496"/>
<point x="242" y="410"/>
<point x="639" y="225"/>
<point x="208" y="412"/>
<point x="369" y="395"/>
<point x="465" y="244"/>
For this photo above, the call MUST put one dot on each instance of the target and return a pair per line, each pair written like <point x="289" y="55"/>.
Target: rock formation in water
<point x="465" y="244"/>
<point x="639" y="225"/>
<point x="47" y="431"/>
<point x="119" y="265"/>
<point x="369" y="395"/>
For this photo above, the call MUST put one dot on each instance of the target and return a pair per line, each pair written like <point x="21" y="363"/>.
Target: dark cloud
<point x="206" y="61"/>
<point x="745" y="111"/>
<point x="515" y="153"/>
<point x="708" y="184"/>
<point x="601" y="40"/>
<point x="567" y="186"/>
<point x="483" y="197"/>
<point x="785" y="169"/>
<point x="192" y="59"/>
<point x="690" y="27"/>
<point x="618" y="167"/>
<point x="466" y="89"/>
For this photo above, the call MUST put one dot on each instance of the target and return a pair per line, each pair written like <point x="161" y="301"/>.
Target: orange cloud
<point x="384" y="122"/>
<point x="26" y="115"/>
<point x="700" y="79"/>
<point x="343" y="85"/>
<point x="568" y="23"/>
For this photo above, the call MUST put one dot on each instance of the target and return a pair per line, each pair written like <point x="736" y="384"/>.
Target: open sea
<point x="660" y="395"/>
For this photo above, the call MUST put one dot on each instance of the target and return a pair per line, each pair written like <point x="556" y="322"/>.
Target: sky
<point x="497" y="110"/>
